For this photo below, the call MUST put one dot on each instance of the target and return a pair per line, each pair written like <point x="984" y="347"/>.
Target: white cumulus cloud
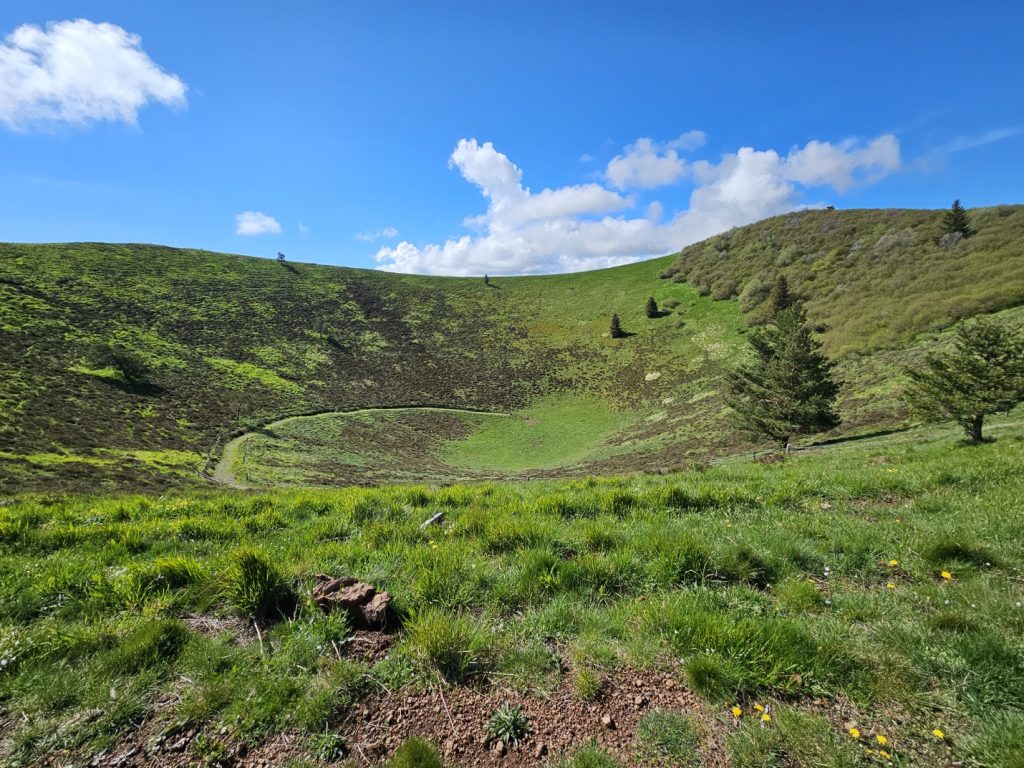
<point x="582" y="227"/>
<point x="79" y="72"/>
<point x="256" y="223"/>
<point x="842" y="165"/>
<point x="646" y="164"/>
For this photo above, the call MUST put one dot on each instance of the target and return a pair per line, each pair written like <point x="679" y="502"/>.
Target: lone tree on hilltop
<point x="787" y="389"/>
<point x="957" y="221"/>
<point x="615" y="329"/>
<point x="280" y="256"/>
<point x="651" y="308"/>
<point x="487" y="280"/>
<point x="982" y="375"/>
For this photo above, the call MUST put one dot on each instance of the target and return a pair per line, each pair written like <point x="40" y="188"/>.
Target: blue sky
<point x="459" y="138"/>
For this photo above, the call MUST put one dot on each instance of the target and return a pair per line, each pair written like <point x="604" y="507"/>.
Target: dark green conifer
<point x="781" y="297"/>
<point x="651" y="309"/>
<point x="615" y="330"/>
<point x="982" y="375"/>
<point x="787" y="389"/>
<point x="956" y="221"/>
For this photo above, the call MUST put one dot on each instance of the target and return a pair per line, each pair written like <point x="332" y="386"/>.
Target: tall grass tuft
<point x="453" y="645"/>
<point x="415" y="753"/>
<point x="255" y="588"/>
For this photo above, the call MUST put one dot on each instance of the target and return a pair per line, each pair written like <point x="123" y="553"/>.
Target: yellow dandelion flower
<point x="890" y="585"/>
<point x="855" y="732"/>
<point x="881" y="739"/>
<point x="766" y="717"/>
<point x="885" y="754"/>
<point x="894" y="563"/>
<point x="947" y="575"/>
<point x="736" y="711"/>
<point x="759" y="708"/>
<point x="938" y="733"/>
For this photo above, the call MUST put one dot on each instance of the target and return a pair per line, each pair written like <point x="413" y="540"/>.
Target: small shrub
<point x="727" y="289"/>
<point x="255" y="588"/>
<point x="452" y="645"/>
<point x="415" y="753"/>
<point x="668" y="736"/>
<point x="508" y="725"/>
<point x="327" y="746"/>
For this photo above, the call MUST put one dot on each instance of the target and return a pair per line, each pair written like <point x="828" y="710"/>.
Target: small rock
<point x="449" y="747"/>
<point x="499" y="748"/>
<point x="608" y="722"/>
<point x="640" y="701"/>
<point x="242" y="750"/>
<point x="432" y="520"/>
<point x="540" y="750"/>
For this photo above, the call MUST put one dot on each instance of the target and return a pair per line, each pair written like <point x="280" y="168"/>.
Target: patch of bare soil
<point x="454" y="718"/>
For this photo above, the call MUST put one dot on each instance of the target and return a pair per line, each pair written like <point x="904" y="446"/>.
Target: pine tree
<point x="651" y="309"/>
<point x="487" y="280"/>
<point x="615" y="330"/>
<point x="957" y="221"/>
<point x="984" y="374"/>
<point x="781" y="297"/>
<point x="787" y="389"/>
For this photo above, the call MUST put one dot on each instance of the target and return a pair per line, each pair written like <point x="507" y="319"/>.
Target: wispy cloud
<point x="961" y="143"/>
<point x="79" y="72"/>
<point x="371" y="236"/>
<point x="250" y="223"/>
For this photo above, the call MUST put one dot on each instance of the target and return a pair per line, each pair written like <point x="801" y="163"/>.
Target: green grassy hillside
<point x="875" y="279"/>
<point x="234" y="343"/>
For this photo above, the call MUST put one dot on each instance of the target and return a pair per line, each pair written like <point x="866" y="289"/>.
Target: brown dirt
<point x="453" y="718"/>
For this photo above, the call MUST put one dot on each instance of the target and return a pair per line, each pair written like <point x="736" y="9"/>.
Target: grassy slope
<point x="235" y="342"/>
<point x="874" y="278"/>
<point x="749" y="584"/>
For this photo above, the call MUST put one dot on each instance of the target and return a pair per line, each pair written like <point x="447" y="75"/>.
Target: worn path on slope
<point x="222" y="472"/>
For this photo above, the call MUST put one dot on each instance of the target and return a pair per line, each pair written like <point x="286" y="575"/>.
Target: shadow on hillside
<point x="144" y="388"/>
<point x="856" y="438"/>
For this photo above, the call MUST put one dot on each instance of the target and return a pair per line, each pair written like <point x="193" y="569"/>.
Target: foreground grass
<point x="877" y="589"/>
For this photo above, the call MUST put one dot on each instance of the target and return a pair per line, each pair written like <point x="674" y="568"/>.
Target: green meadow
<point x="871" y="587"/>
